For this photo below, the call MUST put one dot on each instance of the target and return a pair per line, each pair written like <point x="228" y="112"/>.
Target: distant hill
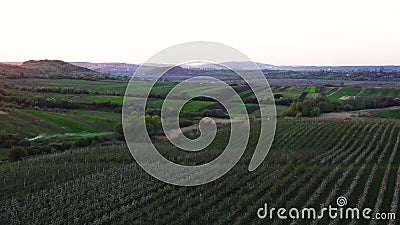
<point x="12" y="71"/>
<point x="124" y="69"/>
<point x="340" y="68"/>
<point x="118" y="69"/>
<point x="263" y="66"/>
<point x="58" y="68"/>
<point x="46" y="68"/>
<point x="232" y="65"/>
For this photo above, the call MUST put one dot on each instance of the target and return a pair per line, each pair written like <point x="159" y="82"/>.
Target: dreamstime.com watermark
<point x="135" y="119"/>
<point x="331" y="212"/>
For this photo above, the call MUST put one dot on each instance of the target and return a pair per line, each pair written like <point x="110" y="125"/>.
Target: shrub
<point x="183" y="122"/>
<point x="17" y="153"/>
<point x="218" y="113"/>
<point x="118" y="131"/>
<point x="397" y="101"/>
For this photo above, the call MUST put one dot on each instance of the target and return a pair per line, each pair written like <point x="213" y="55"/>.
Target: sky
<point x="279" y="32"/>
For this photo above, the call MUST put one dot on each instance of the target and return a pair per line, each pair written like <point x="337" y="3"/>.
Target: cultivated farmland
<point x="311" y="164"/>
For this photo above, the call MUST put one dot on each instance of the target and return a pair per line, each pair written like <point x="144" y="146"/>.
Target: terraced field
<point x="290" y="91"/>
<point x="346" y="91"/>
<point x="101" y="86"/>
<point x="311" y="163"/>
<point x="377" y="92"/>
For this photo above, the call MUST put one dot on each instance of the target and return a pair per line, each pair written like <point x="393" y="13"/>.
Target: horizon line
<point x="292" y="65"/>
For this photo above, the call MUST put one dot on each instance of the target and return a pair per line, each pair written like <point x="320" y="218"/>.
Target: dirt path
<point x="388" y="108"/>
<point x="361" y="92"/>
<point x="339" y="89"/>
<point x="3" y="113"/>
<point x="353" y="114"/>
<point x="219" y="121"/>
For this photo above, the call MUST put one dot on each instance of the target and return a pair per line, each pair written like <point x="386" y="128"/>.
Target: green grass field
<point x="67" y="124"/>
<point x="32" y="122"/>
<point x="24" y="125"/>
<point x="389" y="114"/>
<point x="292" y="91"/>
<point x="311" y="89"/>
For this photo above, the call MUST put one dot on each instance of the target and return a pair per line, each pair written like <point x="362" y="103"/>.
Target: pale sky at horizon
<point x="279" y="32"/>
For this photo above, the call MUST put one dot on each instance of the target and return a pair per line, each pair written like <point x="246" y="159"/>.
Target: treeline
<point x="79" y="76"/>
<point x="22" y="147"/>
<point x="322" y="104"/>
<point x="69" y="90"/>
<point x="22" y="102"/>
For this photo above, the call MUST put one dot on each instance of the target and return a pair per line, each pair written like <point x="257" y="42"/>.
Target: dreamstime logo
<point x="141" y="89"/>
<point x="341" y="201"/>
<point x="340" y="212"/>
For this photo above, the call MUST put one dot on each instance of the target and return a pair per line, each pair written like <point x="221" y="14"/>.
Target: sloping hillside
<point x="58" y="68"/>
<point x="13" y="71"/>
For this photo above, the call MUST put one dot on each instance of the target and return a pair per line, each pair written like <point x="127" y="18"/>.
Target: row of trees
<point x="24" y="148"/>
<point x="322" y="104"/>
<point x="42" y="102"/>
<point x="153" y="125"/>
<point x="69" y="90"/>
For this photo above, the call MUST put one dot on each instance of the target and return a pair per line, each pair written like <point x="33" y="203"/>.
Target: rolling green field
<point x="67" y="124"/>
<point x="310" y="164"/>
<point x="97" y="109"/>
<point x="64" y="159"/>
<point x="74" y="121"/>
<point x="57" y="125"/>
<point x="79" y="171"/>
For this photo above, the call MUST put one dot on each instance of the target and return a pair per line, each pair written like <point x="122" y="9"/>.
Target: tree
<point x="278" y="96"/>
<point x="315" y="111"/>
<point x="119" y="132"/>
<point x="322" y="98"/>
<point x="299" y="115"/>
<point x="325" y="107"/>
<point x="153" y="123"/>
<point x="17" y="153"/>
<point x="397" y="101"/>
